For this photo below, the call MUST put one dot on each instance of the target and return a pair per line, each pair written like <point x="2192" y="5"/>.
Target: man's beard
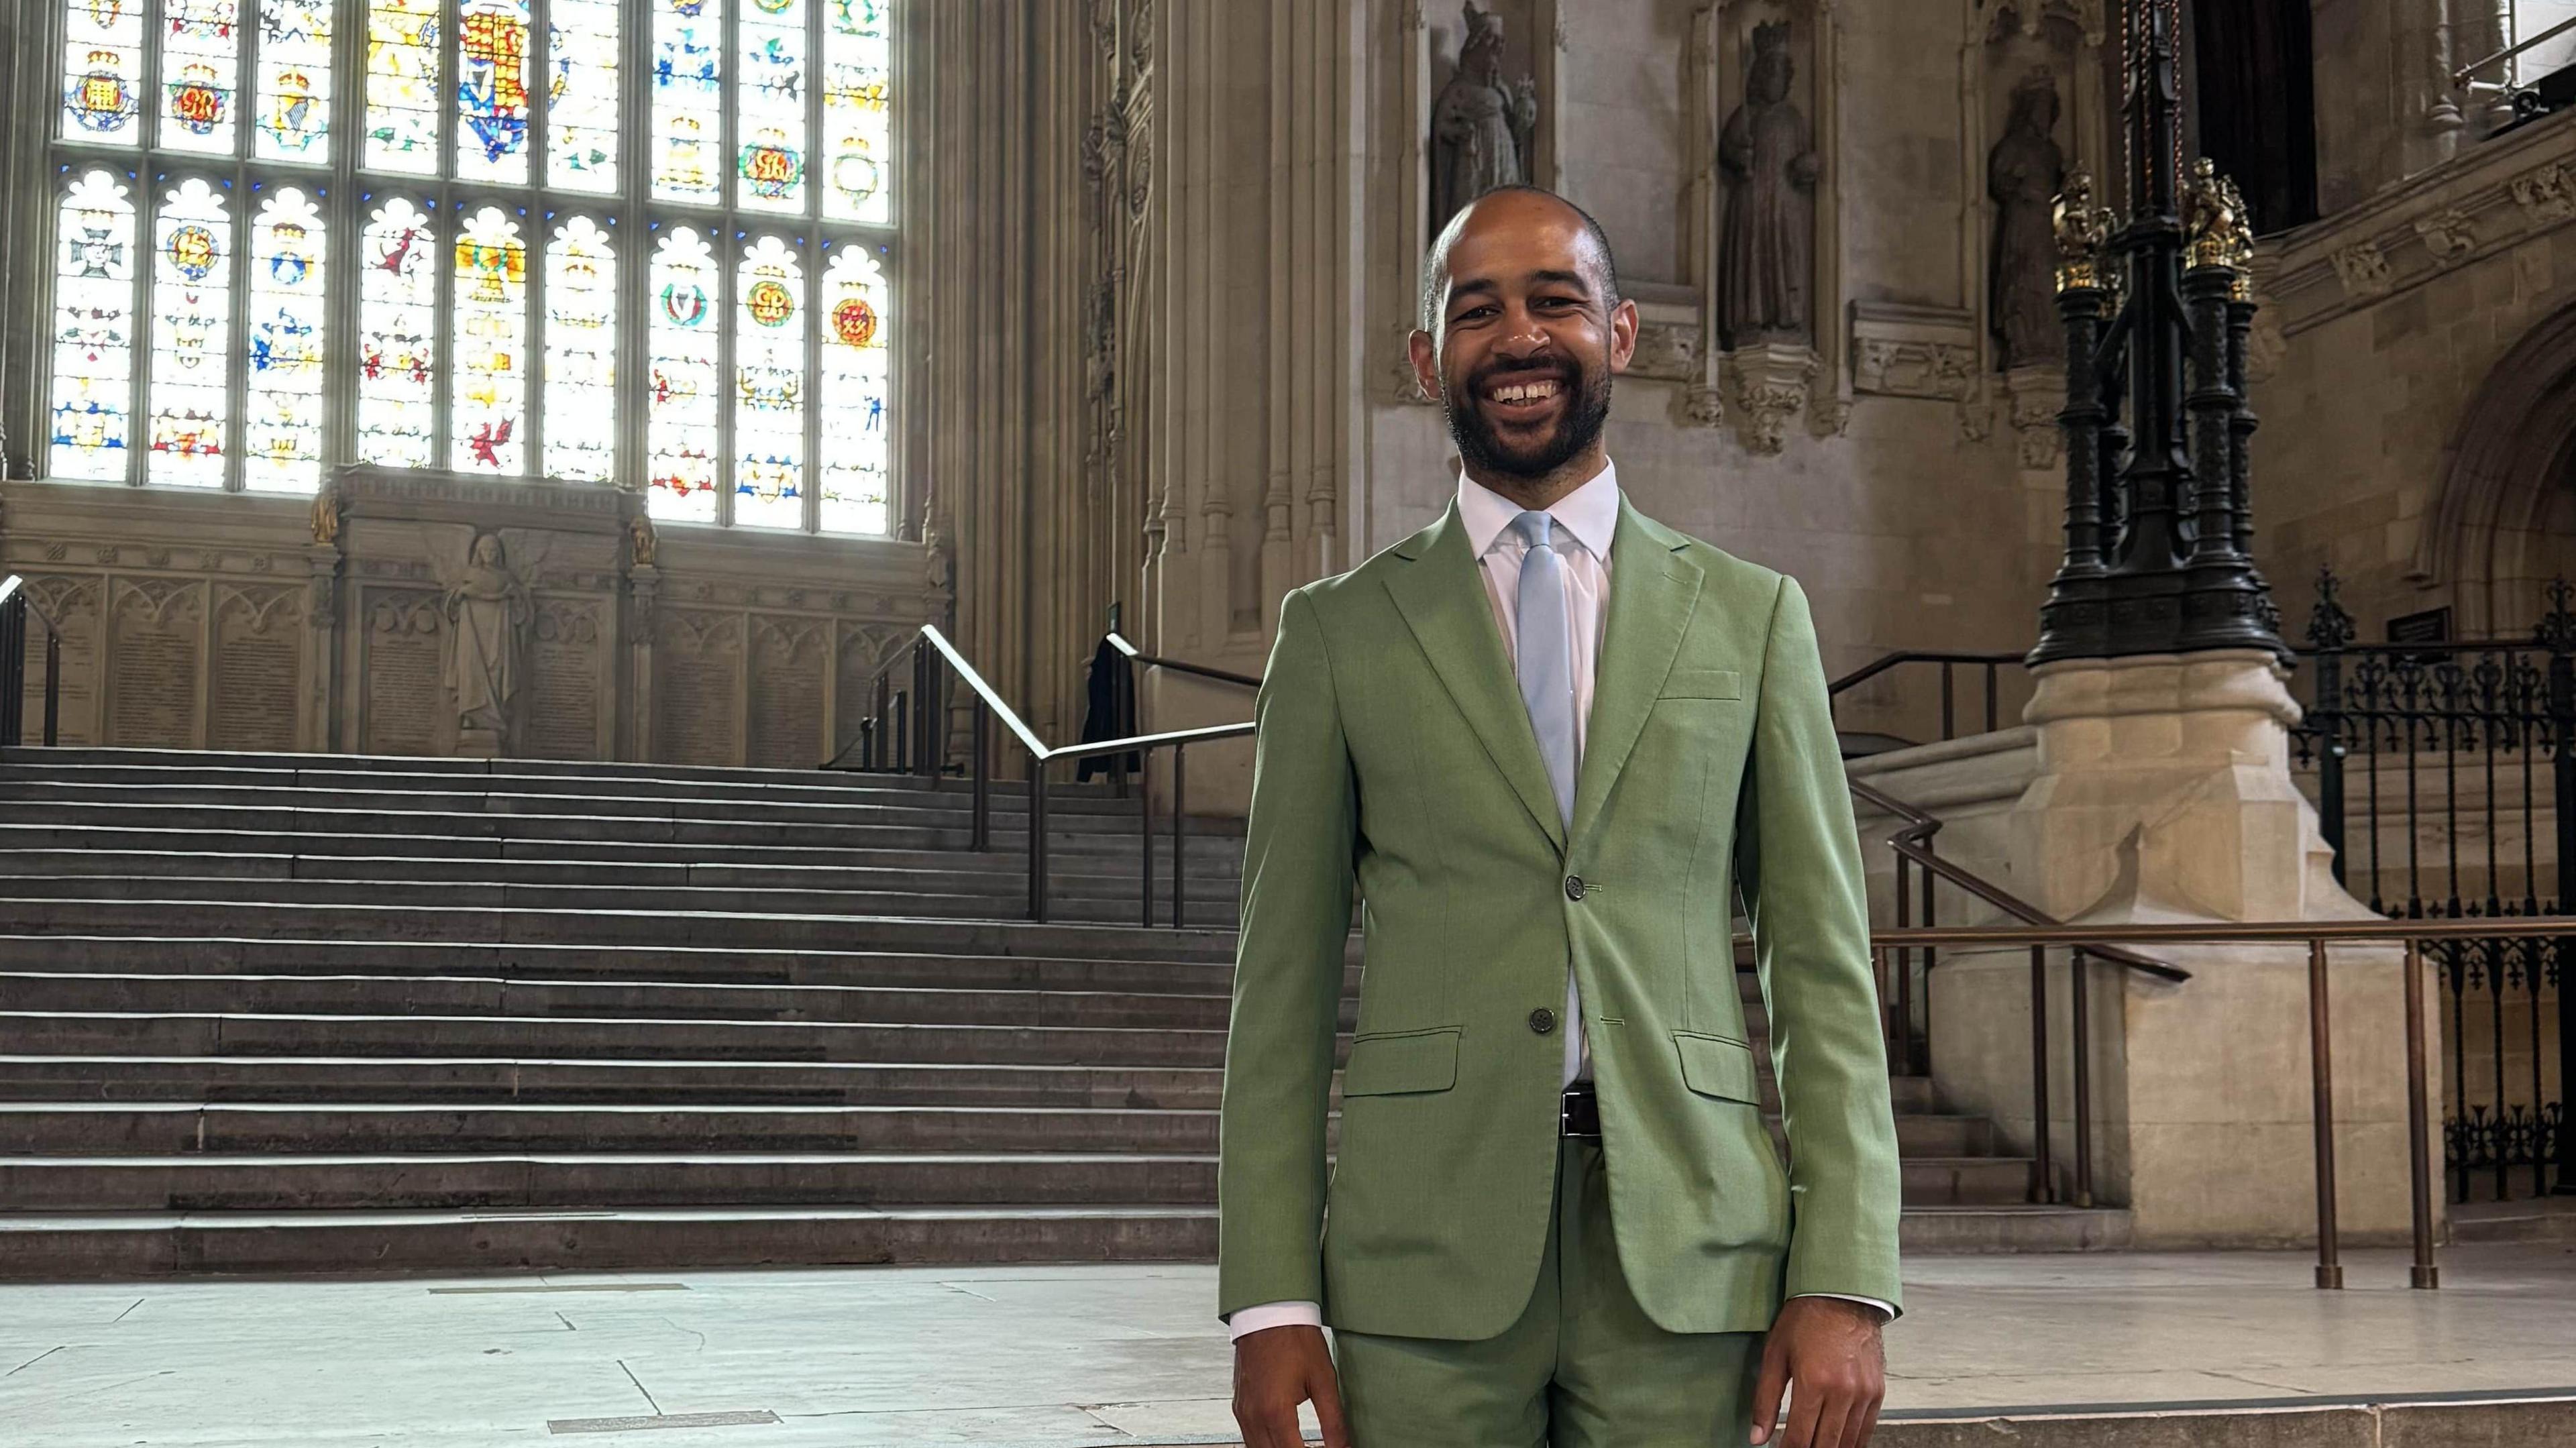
<point x="1483" y="451"/>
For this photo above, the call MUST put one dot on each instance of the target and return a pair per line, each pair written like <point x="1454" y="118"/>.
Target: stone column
<point x="2163" y="794"/>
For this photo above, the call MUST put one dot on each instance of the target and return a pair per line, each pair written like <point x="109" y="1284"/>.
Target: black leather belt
<point x="1579" y="1113"/>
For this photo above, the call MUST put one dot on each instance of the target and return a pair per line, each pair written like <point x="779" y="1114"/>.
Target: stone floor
<point x="1080" y="1355"/>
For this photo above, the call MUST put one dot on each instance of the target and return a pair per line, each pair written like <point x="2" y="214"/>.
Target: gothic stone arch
<point x="2504" y="519"/>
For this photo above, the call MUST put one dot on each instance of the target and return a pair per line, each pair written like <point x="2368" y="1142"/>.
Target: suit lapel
<point x="1442" y="597"/>
<point x="1653" y="589"/>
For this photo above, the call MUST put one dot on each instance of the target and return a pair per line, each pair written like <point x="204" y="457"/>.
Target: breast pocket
<point x="1702" y="684"/>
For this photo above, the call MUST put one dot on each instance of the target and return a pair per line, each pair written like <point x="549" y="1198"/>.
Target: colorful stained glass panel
<point x="200" y="74"/>
<point x="770" y="140"/>
<point x="192" y="308"/>
<point x="282" y="405"/>
<point x="487" y="415"/>
<point x="856" y="452"/>
<point x="402" y="86"/>
<point x="492" y="90"/>
<point x="94" y="319"/>
<point x="581" y="352"/>
<point x="684" y="387"/>
<point x="688" y="100"/>
<point x="769" y="387"/>
<point x="102" y="68"/>
<point x="858" y="125"/>
<point x="397" y="336"/>
<point x="292" y="82"/>
<point x="582" y="48"/>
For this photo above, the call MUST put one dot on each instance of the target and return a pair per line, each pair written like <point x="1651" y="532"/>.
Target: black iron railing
<point x="2452" y="759"/>
<point x="1949" y="663"/>
<point x="906" y="731"/>
<point x="17" y="607"/>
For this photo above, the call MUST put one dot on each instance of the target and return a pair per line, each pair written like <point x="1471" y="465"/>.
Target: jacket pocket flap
<point x="1716" y="1066"/>
<point x="1703" y="684"/>
<point x="1419" y="1061"/>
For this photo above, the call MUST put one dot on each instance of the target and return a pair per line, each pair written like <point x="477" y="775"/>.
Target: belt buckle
<point x="1565" y="1111"/>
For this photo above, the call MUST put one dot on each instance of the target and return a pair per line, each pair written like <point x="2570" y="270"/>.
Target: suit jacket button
<point x="1574" y="887"/>
<point x="1542" y="1020"/>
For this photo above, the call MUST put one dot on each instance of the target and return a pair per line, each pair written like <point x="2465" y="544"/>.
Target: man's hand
<point x="1826" y="1353"/>
<point x="1277" y="1368"/>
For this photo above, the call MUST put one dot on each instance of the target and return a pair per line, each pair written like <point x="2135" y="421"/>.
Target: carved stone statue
<point x="2023" y="174"/>
<point x="489" y="610"/>
<point x="1766" y="251"/>
<point x="1481" y="125"/>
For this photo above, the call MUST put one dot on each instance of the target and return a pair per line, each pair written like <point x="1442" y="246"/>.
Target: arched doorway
<point x="2504" y="521"/>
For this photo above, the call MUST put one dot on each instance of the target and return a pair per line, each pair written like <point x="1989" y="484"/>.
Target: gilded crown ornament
<point x="2220" y="233"/>
<point x="2082" y="230"/>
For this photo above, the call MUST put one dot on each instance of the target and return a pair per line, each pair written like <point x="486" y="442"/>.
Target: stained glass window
<point x="282" y="406"/>
<point x="192" y="308"/>
<point x="583" y="75"/>
<point x="769" y="119"/>
<point x="491" y="348"/>
<point x="93" y="372"/>
<point x="293" y="88"/>
<point x="638" y="243"/>
<point x="769" y="387"/>
<point x="581" y="352"/>
<point x="856" y="452"/>
<point x="397" y="336"/>
<point x="102" y="69"/>
<point x="402" y="86"/>
<point x="200" y="71"/>
<point x="858" y="127"/>
<point x="492" y="90"/>
<point x="682" y="384"/>
<point x="688" y="100"/>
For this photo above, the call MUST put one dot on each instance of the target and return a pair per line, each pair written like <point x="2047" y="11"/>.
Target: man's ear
<point x="1426" y="362"/>
<point x="1623" y="334"/>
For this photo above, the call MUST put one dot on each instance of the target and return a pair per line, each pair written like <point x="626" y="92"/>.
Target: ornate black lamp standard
<point x="2158" y="518"/>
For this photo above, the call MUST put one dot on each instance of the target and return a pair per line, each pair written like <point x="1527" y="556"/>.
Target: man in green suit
<point x="1547" y="737"/>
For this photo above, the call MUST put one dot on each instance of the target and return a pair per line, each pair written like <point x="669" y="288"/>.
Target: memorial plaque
<point x="787" y="680"/>
<point x="259" y="654"/>
<point x="561" y="715"/>
<point x="405" y="693"/>
<point x="697" y="688"/>
<point x="153" y="664"/>
<point x="73" y="603"/>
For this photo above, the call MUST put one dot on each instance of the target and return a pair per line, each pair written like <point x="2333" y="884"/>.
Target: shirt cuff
<point x="1273" y="1314"/>
<point x="1886" y="1310"/>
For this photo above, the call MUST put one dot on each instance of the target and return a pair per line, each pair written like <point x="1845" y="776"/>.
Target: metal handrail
<point x="2461" y="76"/>
<point x="923" y="751"/>
<point x="17" y="600"/>
<point x="2316" y="934"/>
<point x="1119" y="642"/>
<point x="1992" y="662"/>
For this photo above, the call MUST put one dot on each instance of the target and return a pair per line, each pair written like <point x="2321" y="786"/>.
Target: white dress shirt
<point x="1586" y="520"/>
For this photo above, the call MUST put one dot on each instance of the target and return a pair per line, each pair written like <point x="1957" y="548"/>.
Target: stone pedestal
<point x="2163" y="794"/>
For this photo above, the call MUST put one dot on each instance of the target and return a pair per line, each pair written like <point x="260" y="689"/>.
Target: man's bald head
<point x="1508" y="206"/>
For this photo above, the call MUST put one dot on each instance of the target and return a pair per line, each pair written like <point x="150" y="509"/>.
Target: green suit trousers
<point x="1581" y="1367"/>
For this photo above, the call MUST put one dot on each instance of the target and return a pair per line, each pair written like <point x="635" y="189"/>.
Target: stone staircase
<point x="277" y="1013"/>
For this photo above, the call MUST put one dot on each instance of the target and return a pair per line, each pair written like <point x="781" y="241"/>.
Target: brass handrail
<point x="1119" y="642"/>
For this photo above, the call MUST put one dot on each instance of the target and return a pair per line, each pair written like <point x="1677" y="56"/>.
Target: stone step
<point x="1930" y="1229"/>
<point x="519" y="1180"/>
<point x="40" y="1077"/>
<point x="95" y="1246"/>
<point x="250" y="920"/>
<point x="1966" y="1181"/>
<point x="83" y="1033"/>
<point x="435" y="995"/>
<point x="1073" y="897"/>
<point x="916" y="968"/>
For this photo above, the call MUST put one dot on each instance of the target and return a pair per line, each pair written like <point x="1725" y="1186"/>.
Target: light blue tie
<point x="1545" y="664"/>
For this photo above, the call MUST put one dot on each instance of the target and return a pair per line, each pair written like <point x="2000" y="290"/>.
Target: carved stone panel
<point x="787" y="681"/>
<point x="568" y="660"/>
<point x="404" y="699"/>
<point x="156" y="668"/>
<point x="259" y="667"/>
<point x="72" y="600"/>
<point x="697" y="687"/>
<point x="1913" y="351"/>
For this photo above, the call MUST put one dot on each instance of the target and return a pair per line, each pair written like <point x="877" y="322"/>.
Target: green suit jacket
<point x="1393" y="749"/>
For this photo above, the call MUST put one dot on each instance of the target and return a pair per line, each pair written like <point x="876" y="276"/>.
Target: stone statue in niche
<point x="1481" y="124"/>
<point x="2024" y="173"/>
<point x="1766" y="251"/>
<point x="489" y="612"/>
